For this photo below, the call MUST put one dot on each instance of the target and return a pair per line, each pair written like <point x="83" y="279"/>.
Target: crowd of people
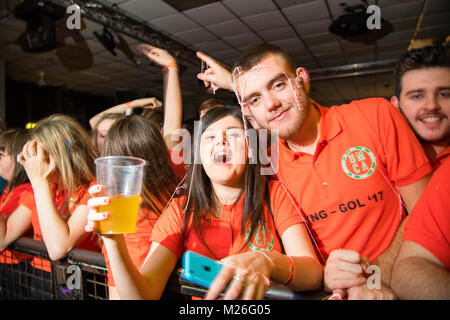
<point x="359" y="188"/>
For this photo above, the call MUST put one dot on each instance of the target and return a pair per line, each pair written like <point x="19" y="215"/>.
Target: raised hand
<point x="36" y="161"/>
<point x="147" y="103"/>
<point x="216" y="74"/>
<point x="159" y="56"/>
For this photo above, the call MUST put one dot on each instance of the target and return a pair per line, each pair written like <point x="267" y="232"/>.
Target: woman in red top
<point x="224" y="214"/>
<point x="125" y="138"/>
<point x="59" y="161"/>
<point x="11" y="144"/>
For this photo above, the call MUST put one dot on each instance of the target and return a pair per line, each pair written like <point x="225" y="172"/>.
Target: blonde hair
<point x="69" y="143"/>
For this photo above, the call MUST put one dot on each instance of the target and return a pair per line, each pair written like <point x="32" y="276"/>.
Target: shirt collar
<point x="436" y="162"/>
<point x="329" y="127"/>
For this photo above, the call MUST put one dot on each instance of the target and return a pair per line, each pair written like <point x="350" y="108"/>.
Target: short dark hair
<point x="208" y="104"/>
<point x="254" y="54"/>
<point x="426" y="57"/>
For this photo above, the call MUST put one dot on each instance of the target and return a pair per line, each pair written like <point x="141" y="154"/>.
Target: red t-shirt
<point x="347" y="189"/>
<point x="429" y="223"/>
<point x="223" y="236"/>
<point x="138" y="243"/>
<point x="65" y="207"/>
<point x="9" y="202"/>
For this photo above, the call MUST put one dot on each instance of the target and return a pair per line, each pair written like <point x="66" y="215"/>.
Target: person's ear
<point x="395" y="102"/>
<point x="303" y="80"/>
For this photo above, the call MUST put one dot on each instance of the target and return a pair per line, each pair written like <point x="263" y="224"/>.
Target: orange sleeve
<point x="284" y="212"/>
<point x="27" y="199"/>
<point x="406" y="160"/>
<point x="83" y="193"/>
<point x="429" y="223"/>
<point x="84" y="196"/>
<point x="168" y="229"/>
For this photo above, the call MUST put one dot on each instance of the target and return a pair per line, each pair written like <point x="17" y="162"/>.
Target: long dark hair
<point x="12" y="142"/>
<point x="201" y="201"/>
<point x="139" y="137"/>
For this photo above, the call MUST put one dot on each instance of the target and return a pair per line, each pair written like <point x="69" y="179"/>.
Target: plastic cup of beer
<point x="122" y="179"/>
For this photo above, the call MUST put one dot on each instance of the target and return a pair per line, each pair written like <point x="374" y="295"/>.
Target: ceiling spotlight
<point x="39" y="35"/>
<point x="107" y="40"/>
<point x="353" y="25"/>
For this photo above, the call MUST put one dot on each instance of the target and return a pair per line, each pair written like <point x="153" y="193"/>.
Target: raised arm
<point x="173" y="103"/>
<point x="121" y="108"/>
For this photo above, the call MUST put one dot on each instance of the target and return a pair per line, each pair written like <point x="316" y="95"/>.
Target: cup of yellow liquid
<point x="122" y="179"/>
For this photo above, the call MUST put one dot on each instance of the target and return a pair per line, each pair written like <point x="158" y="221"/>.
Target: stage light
<point x="352" y="26"/>
<point x="39" y="35"/>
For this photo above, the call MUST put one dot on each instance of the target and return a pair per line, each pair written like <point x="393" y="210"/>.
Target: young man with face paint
<point x="422" y="94"/>
<point x="348" y="168"/>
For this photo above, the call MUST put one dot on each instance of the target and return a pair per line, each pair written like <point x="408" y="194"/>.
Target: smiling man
<point x="348" y="168"/>
<point x="422" y="93"/>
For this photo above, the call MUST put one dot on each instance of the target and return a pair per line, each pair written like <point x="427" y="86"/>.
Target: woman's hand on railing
<point x="248" y="274"/>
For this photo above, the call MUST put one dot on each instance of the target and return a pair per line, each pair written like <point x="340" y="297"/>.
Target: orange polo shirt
<point x="65" y="206"/>
<point x="9" y="201"/>
<point x="429" y="223"/>
<point x="138" y="243"/>
<point x="347" y="188"/>
<point x="223" y="236"/>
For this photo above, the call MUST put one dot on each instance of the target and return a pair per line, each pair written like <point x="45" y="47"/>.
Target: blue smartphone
<point x="199" y="269"/>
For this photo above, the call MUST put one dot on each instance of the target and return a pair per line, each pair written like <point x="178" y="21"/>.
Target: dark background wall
<point x="27" y="102"/>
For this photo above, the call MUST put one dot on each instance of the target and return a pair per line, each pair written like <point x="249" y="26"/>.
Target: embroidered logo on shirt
<point x="263" y="239"/>
<point x="66" y="207"/>
<point x="358" y="162"/>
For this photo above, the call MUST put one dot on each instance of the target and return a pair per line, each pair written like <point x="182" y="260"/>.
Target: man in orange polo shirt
<point x="422" y="94"/>
<point x="422" y="268"/>
<point x="348" y="168"/>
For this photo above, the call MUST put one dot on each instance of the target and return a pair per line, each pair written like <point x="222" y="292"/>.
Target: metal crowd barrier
<point x="82" y="276"/>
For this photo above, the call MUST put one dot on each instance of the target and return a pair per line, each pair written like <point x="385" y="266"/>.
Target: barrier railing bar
<point x="95" y="260"/>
